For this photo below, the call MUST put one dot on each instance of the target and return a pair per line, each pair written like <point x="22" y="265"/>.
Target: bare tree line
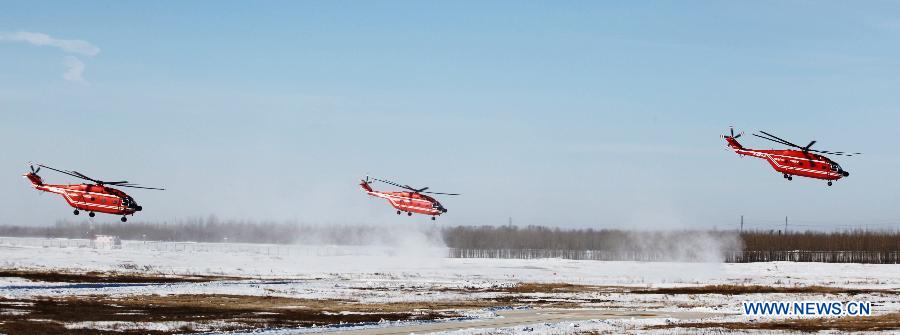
<point x="477" y="237"/>
<point x="212" y="229"/>
<point x="537" y="237"/>
<point x="853" y="246"/>
<point x="849" y="240"/>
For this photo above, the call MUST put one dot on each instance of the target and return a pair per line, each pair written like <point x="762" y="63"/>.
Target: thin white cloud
<point x="39" y="39"/>
<point x="890" y="24"/>
<point x="74" y="66"/>
<point x="74" y="69"/>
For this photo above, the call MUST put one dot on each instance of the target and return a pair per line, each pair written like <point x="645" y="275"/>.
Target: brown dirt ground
<point x="277" y="312"/>
<point x="525" y="288"/>
<point x="749" y="289"/>
<point x="541" y="288"/>
<point x="554" y="288"/>
<point x="48" y="315"/>
<point x="102" y="277"/>
<point x="844" y="324"/>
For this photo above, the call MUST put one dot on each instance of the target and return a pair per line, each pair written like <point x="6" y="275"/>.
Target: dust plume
<point x="680" y="246"/>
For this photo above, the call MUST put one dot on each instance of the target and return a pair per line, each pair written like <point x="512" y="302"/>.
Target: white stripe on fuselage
<point x="65" y="193"/>
<point x="770" y="158"/>
<point x="391" y="198"/>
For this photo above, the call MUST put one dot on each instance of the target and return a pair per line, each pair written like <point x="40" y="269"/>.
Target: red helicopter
<point x="93" y="198"/>
<point x="804" y="162"/>
<point x="412" y="201"/>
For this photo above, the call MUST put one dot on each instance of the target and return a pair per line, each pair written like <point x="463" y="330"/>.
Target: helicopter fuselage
<point x="794" y="162"/>
<point x="410" y="202"/>
<point x="89" y="197"/>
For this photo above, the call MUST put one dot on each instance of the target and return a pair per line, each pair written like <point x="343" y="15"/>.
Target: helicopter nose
<point x="845" y="173"/>
<point x="139" y="208"/>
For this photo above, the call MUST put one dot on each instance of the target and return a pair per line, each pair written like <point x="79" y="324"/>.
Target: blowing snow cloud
<point x="74" y="66"/>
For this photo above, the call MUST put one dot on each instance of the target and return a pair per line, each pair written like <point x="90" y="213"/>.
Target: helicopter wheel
<point x="91" y="214"/>
<point x="408" y="213"/>
<point x="829" y="183"/>
<point x="75" y="212"/>
<point x="398" y="212"/>
<point x="124" y="219"/>
<point x="432" y="218"/>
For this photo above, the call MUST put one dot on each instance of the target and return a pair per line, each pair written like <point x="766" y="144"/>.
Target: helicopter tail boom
<point x="365" y="186"/>
<point x="34" y="179"/>
<point x="733" y="143"/>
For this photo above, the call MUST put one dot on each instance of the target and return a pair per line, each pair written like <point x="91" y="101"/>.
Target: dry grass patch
<point x="102" y="277"/>
<point x="271" y="303"/>
<point x="241" y="312"/>
<point x="551" y="288"/>
<point x="524" y="288"/>
<point x="844" y="324"/>
<point x="750" y="289"/>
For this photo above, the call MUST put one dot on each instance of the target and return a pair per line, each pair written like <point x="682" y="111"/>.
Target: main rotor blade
<point x="441" y="193"/>
<point x="809" y="145"/>
<point x="83" y="176"/>
<point x="845" y="153"/>
<point x="780" y="139"/>
<point x="65" y="172"/>
<point x="776" y="141"/>
<point x="79" y="175"/>
<point x="839" y="153"/>
<point x="413" y="188"/>
<point x="142" y="187"/>
<point x="388" y="182"/>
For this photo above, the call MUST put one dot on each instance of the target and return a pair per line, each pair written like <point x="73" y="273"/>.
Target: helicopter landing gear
<point x="408" y="213"/>
<point x="829" y="183"/>
<point x="788" y="177"/>
<point x="91" y="214"/>
<point x="432" y="218"/>
<point x="398" y="212"/>
<point x="124" y="219"/>
<point x="75" y="212"/>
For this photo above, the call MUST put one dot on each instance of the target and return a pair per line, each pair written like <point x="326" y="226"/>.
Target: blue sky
<point x="581" y="114"/>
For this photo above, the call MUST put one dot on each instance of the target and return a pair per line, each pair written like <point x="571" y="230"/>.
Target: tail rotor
<point x="33" y="169"/>
<point x="733" y="135"/>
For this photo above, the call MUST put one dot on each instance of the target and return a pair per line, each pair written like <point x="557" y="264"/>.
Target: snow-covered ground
<point x="402" y="274"/>
<point x="377" y="264"/>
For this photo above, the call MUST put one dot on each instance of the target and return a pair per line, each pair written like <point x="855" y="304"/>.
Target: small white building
<point x="107" y="242"/>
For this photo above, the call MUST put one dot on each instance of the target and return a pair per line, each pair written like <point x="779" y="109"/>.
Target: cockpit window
<point x="835" y="166"/>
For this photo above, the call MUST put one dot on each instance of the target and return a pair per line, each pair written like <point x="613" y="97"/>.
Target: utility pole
<point x="742" y="223"/>
<point x="785" y="225"/>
